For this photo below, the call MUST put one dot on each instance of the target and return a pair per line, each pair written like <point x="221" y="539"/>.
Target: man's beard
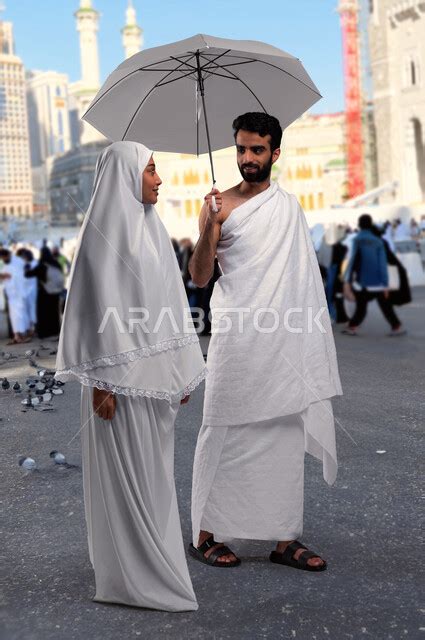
<point x="257" y="176"/>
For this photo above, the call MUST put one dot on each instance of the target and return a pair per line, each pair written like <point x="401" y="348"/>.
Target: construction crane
<point x="349" y="16"/>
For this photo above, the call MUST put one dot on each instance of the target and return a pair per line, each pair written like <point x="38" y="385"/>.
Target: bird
<point x="27" y="401"/>
<point x="60" y="460"/>
<point x="57" y="457"/>
<point x="5" y="383"/>
<point x="16" y="386"/>
<point x="27" y="464"/>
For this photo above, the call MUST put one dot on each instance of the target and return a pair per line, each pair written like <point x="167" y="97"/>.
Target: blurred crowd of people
<point x="357" y="266"/>
<point x="361" y="265"/>
<point x="34" y="284"/>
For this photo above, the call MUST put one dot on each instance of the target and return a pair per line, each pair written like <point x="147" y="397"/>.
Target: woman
<point x="127" y="337"/>
<point x="50" y="279"/>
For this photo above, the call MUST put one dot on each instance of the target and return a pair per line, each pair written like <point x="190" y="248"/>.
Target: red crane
<point x="348" y="10"/>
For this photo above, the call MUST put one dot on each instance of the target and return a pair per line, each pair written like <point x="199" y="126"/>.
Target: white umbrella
<point x="161" y="96"/>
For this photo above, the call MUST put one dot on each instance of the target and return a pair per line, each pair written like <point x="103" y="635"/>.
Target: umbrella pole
<point x="202" y="92"/>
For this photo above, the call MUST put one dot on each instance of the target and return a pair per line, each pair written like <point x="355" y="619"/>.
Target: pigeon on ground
<point x="27" y="464"/>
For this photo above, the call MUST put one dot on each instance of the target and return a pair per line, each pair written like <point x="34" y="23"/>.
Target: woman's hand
<point x="185" y="400"/>
<point x="104" y="403"/>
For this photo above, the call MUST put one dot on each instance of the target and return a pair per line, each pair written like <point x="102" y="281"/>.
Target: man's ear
<point x="275" y="155"/>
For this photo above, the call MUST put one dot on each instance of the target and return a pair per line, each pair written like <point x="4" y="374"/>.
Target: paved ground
<point x="366" y="525"/>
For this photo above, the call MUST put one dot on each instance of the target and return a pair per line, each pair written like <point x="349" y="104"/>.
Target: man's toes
<point x="315" y="562"/>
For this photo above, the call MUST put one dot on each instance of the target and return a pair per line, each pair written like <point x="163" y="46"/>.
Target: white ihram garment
<point x="261" y="383"/>
<point x="15" y="291"/>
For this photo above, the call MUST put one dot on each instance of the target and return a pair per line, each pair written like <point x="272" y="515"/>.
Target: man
<point x="271" y="373"/>
<point x="14" y="286"/>
<point x="366" y="278"/>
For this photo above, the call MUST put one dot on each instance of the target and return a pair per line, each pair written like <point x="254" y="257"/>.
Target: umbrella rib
<point x="269" y="64"/>
<point x="248" y="87"/>
<point x="144" y="100"/>
<point x="125" y="78"/>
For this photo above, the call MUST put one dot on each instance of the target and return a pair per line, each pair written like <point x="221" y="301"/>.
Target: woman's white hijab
<point x="126" y="300"/>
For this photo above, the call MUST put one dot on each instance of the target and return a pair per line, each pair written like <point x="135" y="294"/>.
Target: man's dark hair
<point x="365" y="221"/>
<point x="261" y="123"/>
<point x="4" y="251"/>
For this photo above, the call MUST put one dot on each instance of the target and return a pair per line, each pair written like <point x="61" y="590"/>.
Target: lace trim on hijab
<point x="129" y="356"/>
<point x="147" y="393"/>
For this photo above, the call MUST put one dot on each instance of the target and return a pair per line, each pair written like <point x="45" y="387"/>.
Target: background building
<point x="83" y="91"/>
<point x="397" y="53"/>
<point x="15" y="171"/>
<point x="71" y="182"/>
<point x="132" y="38"/>
<point x="49" y="129"/>
<point x="313" y="161"/>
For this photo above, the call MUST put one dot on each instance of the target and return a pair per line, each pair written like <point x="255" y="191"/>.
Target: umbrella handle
<point x="213" y="202"/>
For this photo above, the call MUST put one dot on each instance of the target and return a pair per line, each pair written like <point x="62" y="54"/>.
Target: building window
<point x="311" y="201"/>
<point x="302" y="201"/>
<point x="58" y="91"/>
<point x="60" y="123"/>
<point x="188" y="206"/>
<point x="412" y="72"/>
<point x="320" y="202"/>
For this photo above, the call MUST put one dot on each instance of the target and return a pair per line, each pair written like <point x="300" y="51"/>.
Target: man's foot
<point x="350" y="331"/>
<point x="294" y="554"/>
<point x="398" y="331"/>
<point x="216" y="554"/>
<point x="203" y="536"/>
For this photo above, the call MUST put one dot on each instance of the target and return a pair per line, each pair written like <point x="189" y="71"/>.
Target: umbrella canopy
<point x="183" y="97"/>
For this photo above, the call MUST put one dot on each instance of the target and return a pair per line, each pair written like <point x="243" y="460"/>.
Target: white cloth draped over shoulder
<point x="127" y="325"/>
<point x="272" y="350"/>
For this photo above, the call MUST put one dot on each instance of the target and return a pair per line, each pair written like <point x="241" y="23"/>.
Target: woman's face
<point x="150" y="183"/>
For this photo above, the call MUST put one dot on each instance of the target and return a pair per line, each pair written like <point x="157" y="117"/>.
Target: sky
<point x="46" y="37"/>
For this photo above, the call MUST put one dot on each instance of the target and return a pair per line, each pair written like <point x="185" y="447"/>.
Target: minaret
<point x="132" y="38"/>
<point x="87" y="25"/>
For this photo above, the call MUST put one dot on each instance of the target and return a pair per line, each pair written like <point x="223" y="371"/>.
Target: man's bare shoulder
<point x="232" y="198"/>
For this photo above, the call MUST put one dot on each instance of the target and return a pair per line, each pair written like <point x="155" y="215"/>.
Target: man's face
<point x="254" y="156"/>
<point x="150" y="183"/>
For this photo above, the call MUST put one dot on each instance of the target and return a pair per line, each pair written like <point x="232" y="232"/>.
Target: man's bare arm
<point x="201" y="264"/>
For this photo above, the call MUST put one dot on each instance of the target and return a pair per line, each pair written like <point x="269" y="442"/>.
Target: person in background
<point x="366" y="278"/>
<point x="66" y="266"/>
<point x="331" y="255"/>
<point x="31" y="291"/>
<point x="192" y="291"/>
<point x="422" y="226"/>
<point x="414" y="229"/>
<point x="50" y="278"/>
<point x="402" y="294"/>
<point x="12" y="278"/>
<point x="177" y="251"/>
